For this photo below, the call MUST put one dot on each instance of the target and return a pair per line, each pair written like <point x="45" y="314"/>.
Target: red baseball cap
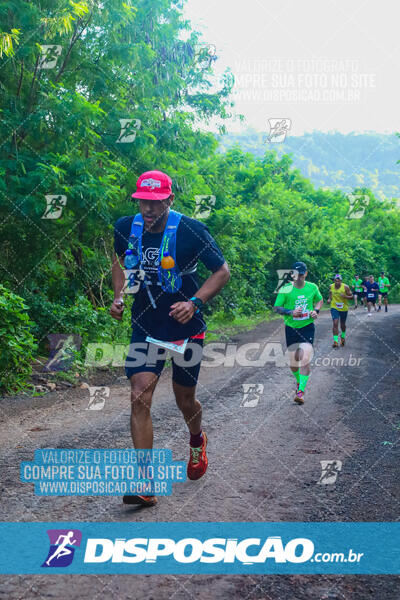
<point x="153" y="185"/>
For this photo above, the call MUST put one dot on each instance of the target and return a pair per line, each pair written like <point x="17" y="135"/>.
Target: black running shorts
<point x="300" y="335"/>
<point x="144" y="357"/>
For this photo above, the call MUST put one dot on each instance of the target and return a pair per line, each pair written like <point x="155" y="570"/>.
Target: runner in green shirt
<point x="356" y="284"/>
<point x="299" y="302"/>
<point x="384" y="286"/>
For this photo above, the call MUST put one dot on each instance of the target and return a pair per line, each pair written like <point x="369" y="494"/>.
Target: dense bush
<point x="77" y="318"/>
<point x="17" y="345"/>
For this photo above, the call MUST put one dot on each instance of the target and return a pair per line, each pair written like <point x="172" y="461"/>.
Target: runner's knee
<point x="142" y="387"/>
<point x="298" y="355"/>
<point x="140" y="405"/>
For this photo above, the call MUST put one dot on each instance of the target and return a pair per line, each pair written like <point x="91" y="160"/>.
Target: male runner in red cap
<point x="166" y="315"/>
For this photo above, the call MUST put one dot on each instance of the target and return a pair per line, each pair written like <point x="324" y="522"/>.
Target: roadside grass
<point x="222" y="327"/>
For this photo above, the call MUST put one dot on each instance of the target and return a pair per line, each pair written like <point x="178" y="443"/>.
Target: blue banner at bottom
<point x="193" y="547"/>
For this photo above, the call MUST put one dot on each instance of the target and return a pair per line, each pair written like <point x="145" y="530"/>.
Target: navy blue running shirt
<point x="372" y="288"/>
<point x="193" y="243"/>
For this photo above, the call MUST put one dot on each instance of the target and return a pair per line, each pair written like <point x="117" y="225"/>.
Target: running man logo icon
<point x="204" y="203"/>
<point x="133" y="280"/>
<point x="285" y="277"/>
<point x="278" y="130"/>
<point x="358" y="204"/>
<point x="62" y="547"/>
<point x="205" y="54"/>
<point x="330" y="470"/>
<point x="129" y="128"/>
<point x="63" y="348"/>
<point x="54" y="207"/>
<point x="98" y="397"/>
<point x="49" y="56"/>
<point x="251" y="394"/>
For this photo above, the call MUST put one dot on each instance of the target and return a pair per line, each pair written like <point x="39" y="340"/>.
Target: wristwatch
<point x="197" y="302"/>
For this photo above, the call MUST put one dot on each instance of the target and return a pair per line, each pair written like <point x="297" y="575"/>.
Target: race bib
<point x="339" y="304"/>
<point x="178" y="346"/>
<point x="304" y="315"/>
<point x="371" y="295"/>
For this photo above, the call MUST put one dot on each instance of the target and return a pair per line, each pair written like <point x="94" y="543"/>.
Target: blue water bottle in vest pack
<point x="131" y="260"/>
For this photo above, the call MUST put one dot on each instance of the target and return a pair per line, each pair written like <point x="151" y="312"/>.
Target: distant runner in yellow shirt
<point x="339" y="295"/>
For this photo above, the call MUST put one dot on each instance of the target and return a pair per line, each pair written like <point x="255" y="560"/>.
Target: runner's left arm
<point x="205" y="249"/>
<point x="214" y="284"/>
<point x="317" y="307"/>
<point x="184" y="311"/>
<point x="348" y="293"/>
<point x="319" y="304"/>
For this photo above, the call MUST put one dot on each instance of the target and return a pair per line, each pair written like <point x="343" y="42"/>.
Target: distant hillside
<point x="334" y="160"/>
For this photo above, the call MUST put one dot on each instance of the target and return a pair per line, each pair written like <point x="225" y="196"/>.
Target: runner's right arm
<point x="297" y="312"/>
<point x="282" y="311"/>
<point x="118" y="280"/>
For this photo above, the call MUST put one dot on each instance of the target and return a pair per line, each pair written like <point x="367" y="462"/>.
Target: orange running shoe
<point x="198" y="460"/>
<point x="335" y="345"/>
<point x="342" y="341"/>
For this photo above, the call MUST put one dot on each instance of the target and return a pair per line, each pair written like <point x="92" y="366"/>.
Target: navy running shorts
<point x="339" y="314"/>
<point x="144" y="357"/>
<point x="371" y="297"/>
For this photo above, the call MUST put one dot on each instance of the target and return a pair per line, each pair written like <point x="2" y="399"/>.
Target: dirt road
<point x="264" y="460"/>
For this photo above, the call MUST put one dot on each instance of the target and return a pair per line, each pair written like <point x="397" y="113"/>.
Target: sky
<point x="327" y="65"/>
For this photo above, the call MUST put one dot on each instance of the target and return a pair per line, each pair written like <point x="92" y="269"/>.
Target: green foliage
<point x="17" y="344"/>
<point x="60" y="129"/>
<point x="268" y="215"/>
<point x="93" y="325"/>
<point x="7" y="42"/>
<point x="334" y="160"/>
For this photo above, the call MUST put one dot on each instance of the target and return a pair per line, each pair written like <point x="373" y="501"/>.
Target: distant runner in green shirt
<point x="358" y="291"/>
<point x="384" y="286"/>
<point x="299" y="302"/>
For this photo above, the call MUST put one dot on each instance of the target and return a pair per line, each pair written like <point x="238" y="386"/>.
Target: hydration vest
<point x="169" y="279"/>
